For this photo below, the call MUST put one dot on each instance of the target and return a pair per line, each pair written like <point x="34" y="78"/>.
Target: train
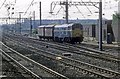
<point x="70" y="33"/>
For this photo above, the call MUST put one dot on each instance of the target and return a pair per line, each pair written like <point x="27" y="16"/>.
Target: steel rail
<point x="20" y="65"/>
<point x="88" y="51"/>
<point x="40" y="65"/>
<point x="82" y="63"/>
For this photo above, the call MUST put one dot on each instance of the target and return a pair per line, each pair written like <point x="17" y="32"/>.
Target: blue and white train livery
<point x="62" y="33"/>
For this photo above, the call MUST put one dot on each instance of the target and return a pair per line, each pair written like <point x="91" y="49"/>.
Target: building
<point x="116" y="24"/>
<point x="90" y="27"/>
<point x="91" y="31"/>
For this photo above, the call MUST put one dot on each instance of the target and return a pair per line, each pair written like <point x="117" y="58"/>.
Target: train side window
<point x="64" y="32"/>
<point x="69" y="28"/>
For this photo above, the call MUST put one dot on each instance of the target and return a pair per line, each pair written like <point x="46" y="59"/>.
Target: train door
<point x="93" y="31"/>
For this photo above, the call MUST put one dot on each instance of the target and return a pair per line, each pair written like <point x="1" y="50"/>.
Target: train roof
<point x="46" y="26"/>
<point x="63" y="25"/>
<point x="49" y="25"/>
<point x="40" y="26"/>
<point x="66" y="25"/>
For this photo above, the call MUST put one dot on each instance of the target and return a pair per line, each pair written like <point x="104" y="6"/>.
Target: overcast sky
<point x="109" y="8"/>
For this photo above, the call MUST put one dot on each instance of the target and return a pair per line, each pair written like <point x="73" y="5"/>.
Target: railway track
<point x="102" y="53"/>
<point x="86" y="50"/>
<point x="80" y="50"/>
<point x="85" y="67"/>
<point x="82" y="47"/>
<point x="85" y="56"/>
<point x="10" y="70"/>
<point x="29" y="65"/>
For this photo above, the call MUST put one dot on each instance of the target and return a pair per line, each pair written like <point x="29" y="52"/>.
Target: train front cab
<point x="77" y="33"/>
<point x="71" y="33"/>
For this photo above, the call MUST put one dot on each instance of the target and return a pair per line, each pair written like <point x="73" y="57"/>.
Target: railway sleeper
<point x="108" y="72"/>
<point x="95" y="68"/>
<point x="55" y="74"/>
<point x="105" y="71"/>
<point x="102" y="71"/>
<point x="90" y="72"/>
<point x="97" y="76"/>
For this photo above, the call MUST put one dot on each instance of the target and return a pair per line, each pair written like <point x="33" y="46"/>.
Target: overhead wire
<point x="80" y="11"/>
<point x="58" y="11"/>
<point x="62" y="8"/>
<point x="3" y="4"/>
<point x="87" y="7"/>
<point x="28" y="7"/>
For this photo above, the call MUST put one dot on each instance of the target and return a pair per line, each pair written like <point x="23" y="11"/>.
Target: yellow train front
<point x="71" y="33"/>
<point x="77" y="33"/>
